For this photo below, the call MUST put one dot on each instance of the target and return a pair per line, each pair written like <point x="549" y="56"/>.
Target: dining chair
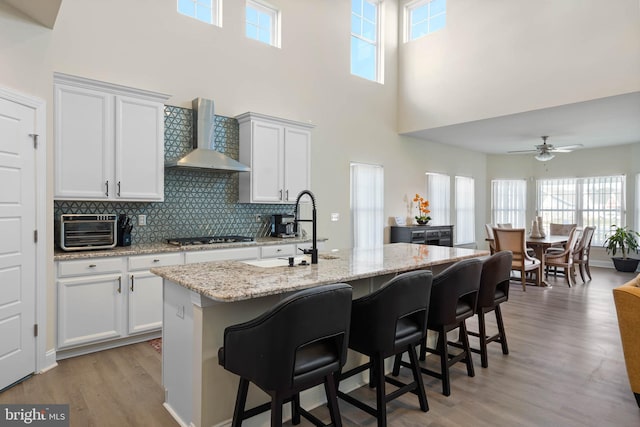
<point x="582" y="251"/>
<point x="564" y="259"/>
<point x="513" y="239"/>
<point x="561" y="229"/>
<point x="492" y="246"/>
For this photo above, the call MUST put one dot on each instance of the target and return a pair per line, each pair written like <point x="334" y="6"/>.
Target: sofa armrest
<point x="627" y="301"/>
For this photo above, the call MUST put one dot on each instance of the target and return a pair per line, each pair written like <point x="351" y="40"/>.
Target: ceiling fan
<point x="545" y="151"/>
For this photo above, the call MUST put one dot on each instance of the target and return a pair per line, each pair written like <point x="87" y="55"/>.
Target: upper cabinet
<point x="109" y="141"/>
<point x="279" y="154"/>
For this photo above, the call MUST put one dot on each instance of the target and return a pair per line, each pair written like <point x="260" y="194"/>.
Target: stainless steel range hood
<point x="204" y="155"/>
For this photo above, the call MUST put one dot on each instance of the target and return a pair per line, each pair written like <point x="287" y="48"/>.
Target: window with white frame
<point x="439" y="196"/>
<point x="423" y="17"/>
<point x="262" y="22"/>
<point x="365" y="39"/>
<point x="367" y="205"/>
<point x="593" y="201"/>
<point x="509" y="202"/>
<point x="465" y="210"/>
<point x="203" y="10"/>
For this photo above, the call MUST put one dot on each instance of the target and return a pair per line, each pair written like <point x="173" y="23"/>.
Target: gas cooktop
<point x="208" y="240"/>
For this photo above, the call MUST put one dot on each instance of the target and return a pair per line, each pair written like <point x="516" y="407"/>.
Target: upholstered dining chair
<point x="564" y="259"/>
<point x="582" y="251"/>
<point x="489" y="230"/>
<point x="513" y="239"/>
<point x="299" y="343"/>
<point x="561" y="229"/>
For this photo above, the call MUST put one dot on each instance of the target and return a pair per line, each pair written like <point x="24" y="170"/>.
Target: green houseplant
<point x="625" y="240"/>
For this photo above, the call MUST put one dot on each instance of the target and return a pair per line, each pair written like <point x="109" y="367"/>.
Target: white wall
<point x="146" y="44"/>
<point x="501" y="57"/>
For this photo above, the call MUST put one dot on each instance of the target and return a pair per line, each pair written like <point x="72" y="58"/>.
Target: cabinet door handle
<point x="286" y="196"/>
<point x="156" y="260"/>
<point x="280" y="194"/>
<point x="119" y="285"/>
<point x="118" y="188"/>
<point x="132" y="283"/>
<point x="92" y="266"/>
<point x="106" y="184"/>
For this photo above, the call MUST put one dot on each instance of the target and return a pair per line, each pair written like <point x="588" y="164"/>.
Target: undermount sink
<point x="284" y="262"/>
<point x="275" y="262"/>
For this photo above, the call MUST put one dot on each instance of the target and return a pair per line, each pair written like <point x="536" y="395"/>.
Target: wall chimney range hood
<point x="204" y="155"/>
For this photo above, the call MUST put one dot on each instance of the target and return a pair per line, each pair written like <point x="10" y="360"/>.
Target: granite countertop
<point x="228" y="281"/>
<point x="154" y="248"/>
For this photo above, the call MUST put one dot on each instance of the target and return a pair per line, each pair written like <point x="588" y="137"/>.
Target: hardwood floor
<point x="565" y="368"/>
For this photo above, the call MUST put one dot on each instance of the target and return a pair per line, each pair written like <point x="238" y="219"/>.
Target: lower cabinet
<point x="106" y="302"/>
<point x="90" y="309"/>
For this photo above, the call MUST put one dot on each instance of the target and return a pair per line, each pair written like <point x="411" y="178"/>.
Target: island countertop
<point x="228" y="281"/>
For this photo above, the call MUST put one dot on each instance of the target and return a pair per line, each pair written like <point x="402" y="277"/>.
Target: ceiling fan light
<point x="545" y="156"/>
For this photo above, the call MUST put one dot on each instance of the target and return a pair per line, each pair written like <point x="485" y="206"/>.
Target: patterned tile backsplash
<point x="196" y="202"/>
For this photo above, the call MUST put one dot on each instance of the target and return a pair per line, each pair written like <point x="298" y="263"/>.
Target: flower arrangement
<point x="423" y="210"/>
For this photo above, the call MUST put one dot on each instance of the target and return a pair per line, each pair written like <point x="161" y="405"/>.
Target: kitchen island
<point x="200" y="300"/>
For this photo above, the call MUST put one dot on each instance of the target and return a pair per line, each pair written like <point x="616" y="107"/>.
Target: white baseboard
<point x="50" y="361"/>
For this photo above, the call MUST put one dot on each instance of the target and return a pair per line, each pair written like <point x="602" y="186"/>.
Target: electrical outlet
<point x="258" y="218"/>
<point x="335" y="216"/>
<point x="142" y="220"/>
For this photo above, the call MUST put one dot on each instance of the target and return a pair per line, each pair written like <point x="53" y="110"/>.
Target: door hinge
<point x="35" y="139"/>
<point x="35" y="236"/>
<point x="35" y="330"/>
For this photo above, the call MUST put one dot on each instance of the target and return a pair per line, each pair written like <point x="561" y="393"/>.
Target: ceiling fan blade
<point x="566" y="148"/>
<point x="522" y="151"/>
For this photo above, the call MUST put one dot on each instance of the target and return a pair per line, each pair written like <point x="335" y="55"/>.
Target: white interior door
<point x="17" y="246"/>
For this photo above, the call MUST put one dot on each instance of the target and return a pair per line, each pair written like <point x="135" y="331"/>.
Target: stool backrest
<point x="496" y="273"/>
<point x="374" y="317"/>
<point x="263" y="350"/>
<point x="459" y="281"/>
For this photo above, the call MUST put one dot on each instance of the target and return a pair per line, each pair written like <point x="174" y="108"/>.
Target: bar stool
<point x="387" y="322"/>
<point x="453" y="300"/>
<point x="494" y="290"/>
<point x="299" y="343"/>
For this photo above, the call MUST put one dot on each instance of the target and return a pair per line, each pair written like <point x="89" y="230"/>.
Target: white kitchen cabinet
<point x="110" y="301"/>
<point x="90" y="305"/>
<point x="144" y="291"/>
<point x="279" y="154"/>
<point x="109" y="141"/>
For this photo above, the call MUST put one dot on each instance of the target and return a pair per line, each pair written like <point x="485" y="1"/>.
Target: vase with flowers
<point x="423" y="217"/>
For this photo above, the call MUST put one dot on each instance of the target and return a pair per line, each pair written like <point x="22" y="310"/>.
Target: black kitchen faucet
<point x="314" y="248"/>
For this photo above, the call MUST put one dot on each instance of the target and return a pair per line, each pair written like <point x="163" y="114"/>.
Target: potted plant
<point x="423" y="210"/>
<point x="625" y="240"/>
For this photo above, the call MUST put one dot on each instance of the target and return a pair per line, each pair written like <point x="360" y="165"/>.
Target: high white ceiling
<point x="613" y="120"/>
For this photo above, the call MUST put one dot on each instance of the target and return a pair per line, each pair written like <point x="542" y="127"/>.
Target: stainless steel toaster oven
<point x="77" y="232"/>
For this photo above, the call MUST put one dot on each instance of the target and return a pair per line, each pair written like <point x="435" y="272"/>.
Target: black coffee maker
<point x="283" y="225"/>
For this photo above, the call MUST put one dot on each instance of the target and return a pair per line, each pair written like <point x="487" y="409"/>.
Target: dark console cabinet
<point x="440" y="235"/>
